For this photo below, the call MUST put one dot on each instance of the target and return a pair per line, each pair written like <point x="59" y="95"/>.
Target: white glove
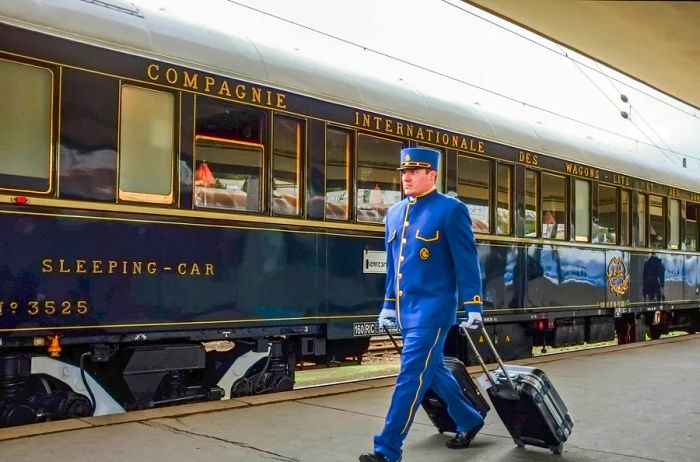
<point x="473" y="321"/>
<point x="387" y="318"/>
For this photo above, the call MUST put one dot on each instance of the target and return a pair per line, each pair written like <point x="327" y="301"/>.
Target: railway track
<point x="383" y="346"/>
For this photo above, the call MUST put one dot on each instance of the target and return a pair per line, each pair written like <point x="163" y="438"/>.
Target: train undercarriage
<point x="56" y="382"/>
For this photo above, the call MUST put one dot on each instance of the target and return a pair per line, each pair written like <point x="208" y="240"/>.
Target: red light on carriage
<point x="21" y="200"/>
<point x="540" y="325"/>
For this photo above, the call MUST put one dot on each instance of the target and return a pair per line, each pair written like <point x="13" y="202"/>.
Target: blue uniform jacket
<point x="432" y="262"/>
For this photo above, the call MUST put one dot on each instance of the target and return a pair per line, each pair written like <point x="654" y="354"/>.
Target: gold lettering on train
<point x="209" y="81"/>
<point x="673" y="192"/>
<point x="528" y="158"/>
<point x="695" y="197"/>
<point x="123" y="267"/>
<point x="418" y="132"/>
<point x="80" y="267"/>
<point x="583" y="171"/>
<point x="257" y="95"/>
<point x="224" y="90"/>
<point x="648" y="186"/>
<point x="171" y="76"/>
<point x="190" y="81"/>
<point x="152" y="71"/>
<point x="240" y="91"/>
<point x="227" y="88"/>
<point x="621" y="180"/>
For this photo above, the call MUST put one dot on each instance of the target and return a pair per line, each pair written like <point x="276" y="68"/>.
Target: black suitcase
<point x="436" y="408"/>
<point x="527" y="403"/>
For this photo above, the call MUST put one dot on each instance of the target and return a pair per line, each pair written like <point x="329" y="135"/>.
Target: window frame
<point x="301" y="161"/>
<point x="669" y="221"/>
<point x="356" y="175"/>
<point x="511" y="197"/>
<point x="616" y="201"/>
<point x="686" y="220"/>
<point x="53" y="124"/>
<point x="350" y="174"/>
<point x="232" y="142"/>
<point x="589" y="209"/>
<point x="622" y="223"/>
<point x="489" y="193"/>
<point x="664" y="218"/>
<point x="564" y="178"/>
<point x="538" y="195"/>
<point x="147" y="198"/>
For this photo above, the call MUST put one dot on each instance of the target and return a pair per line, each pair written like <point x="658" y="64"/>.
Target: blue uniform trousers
<point x="422" y="368"/>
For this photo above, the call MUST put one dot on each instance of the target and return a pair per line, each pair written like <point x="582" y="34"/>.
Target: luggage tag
<point x="484" y="382"/>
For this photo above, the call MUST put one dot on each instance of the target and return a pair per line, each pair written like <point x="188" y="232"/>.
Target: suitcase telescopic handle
<point x="481" y="360"/>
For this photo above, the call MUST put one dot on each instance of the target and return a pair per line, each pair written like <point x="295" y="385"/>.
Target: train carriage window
<point x="532" y="180"/>
<point x="25" y="127"/>
<point x="582" y="210"/>
<point x="624" y="217"/>
<point x="657" y="222"/>
<point x="228" y="156"/>
<point x="378" y="182"/>
<point x="674" y="228"/>
<point x="607" y="215"/>
<point x="691" y="227"/>
<point x="553" y="206"/>
<point x="338" y="149"/>
<point x="474" y="189"/>
<point x="146" y="145"/>
<point x="639" y="219"/>
<point x="288" y="147"/>
<point x="504" y="199"/>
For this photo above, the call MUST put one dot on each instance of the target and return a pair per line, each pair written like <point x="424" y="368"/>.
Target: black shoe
<point x="462" y="440"/>
<point x="373" y="457"/>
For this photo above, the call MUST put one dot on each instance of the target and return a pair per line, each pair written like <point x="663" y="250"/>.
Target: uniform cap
<point x="412" y="158"/>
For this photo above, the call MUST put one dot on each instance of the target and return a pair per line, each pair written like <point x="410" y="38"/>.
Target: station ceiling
<point x="656" y="42"/>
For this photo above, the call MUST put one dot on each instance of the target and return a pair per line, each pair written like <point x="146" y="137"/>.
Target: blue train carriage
<point x="164" y="192"/>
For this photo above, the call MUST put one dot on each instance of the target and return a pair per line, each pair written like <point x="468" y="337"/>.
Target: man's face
<point x="417" y="181"/>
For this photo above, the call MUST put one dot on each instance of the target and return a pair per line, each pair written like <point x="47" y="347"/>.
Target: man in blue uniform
<point x="432" y="268"/>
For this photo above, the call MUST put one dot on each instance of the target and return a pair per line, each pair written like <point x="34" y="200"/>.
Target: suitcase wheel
<point x="519" y="443"/>
<point x="558" y="449"/>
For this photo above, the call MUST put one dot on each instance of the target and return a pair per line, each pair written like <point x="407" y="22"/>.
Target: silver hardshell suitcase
<point x="527" y="403"/>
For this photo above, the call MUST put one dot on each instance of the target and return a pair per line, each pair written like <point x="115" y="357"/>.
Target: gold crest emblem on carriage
<point x="618" y="279"/>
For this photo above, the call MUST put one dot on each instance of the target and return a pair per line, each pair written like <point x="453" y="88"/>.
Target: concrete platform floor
<point x="631" y="403"/>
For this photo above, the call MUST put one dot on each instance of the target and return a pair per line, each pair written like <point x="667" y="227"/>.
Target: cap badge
<point x="407" y="158"/>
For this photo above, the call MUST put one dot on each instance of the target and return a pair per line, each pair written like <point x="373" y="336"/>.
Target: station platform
<point x="636" y="402"/>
